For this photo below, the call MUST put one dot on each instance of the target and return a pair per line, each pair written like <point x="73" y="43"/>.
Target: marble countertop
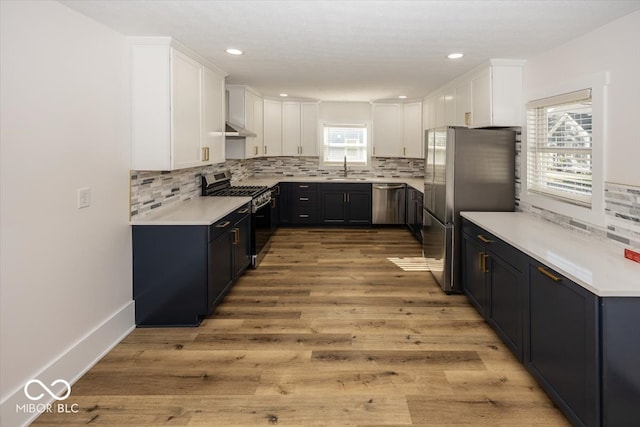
<point x="595" y="265"/>
<point x="417" y="183"/>
<point x="197" y="211"/>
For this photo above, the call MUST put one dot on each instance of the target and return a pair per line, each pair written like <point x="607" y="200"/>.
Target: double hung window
<point x="559" y="147"/>
<point x="345" y="140"/>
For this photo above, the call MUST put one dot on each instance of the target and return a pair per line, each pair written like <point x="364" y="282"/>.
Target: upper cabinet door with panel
<point x="496" y="94"/>
<point x="412" y="130"/>
<point x="213" y="116"/>
<point x="387" y="130"/>
<point x="291" y="128"/>
<point x="177" y="106"/>
<point x="272" y="128"/>
<point x="309" y="116"/>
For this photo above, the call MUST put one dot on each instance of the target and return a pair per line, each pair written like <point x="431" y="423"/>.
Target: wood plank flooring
<point x="326" y="332"/>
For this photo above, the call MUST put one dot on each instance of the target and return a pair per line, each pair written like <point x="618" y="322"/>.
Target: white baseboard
<point x="69" y="366"/>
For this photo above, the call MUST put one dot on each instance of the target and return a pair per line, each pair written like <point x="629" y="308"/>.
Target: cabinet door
<point x="359" y="207"/>
<point x="241" y="246"/>
<point x="450" y="107"/>
<point x="506" y="302"/>
<point x="412" y="130"/>
<point x="430" y="106"/>
<point x="291" y="128"/>
<point x="563" y="343"/>
<point x="258" y="123"/>
<point x="250" y="143"/>
<point x="213" y="117"/>
<point x="185" y="95"/>
<point x="333" y="206"/>
<point x="387" y="130"/>
<point x="309" y="129"/>
<point x="474" y="260"/>
<point x="440" y="118"/>
<point x="481" y="99"/>
<point x="463" y="104"/>
<point x="220" y="275"/>
<point x="285" y="204"/>
<point x="272" y="134"/>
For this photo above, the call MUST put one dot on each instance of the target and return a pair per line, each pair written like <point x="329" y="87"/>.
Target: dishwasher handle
<point x="388" y="186"/>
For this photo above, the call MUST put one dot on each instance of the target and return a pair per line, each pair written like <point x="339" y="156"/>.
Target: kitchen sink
<point x="344" y="179"/>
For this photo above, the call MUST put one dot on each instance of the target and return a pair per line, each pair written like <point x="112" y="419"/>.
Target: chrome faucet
<point x="345" y="166"/>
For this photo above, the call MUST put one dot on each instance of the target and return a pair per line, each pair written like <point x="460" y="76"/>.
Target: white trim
<point x="73" y="363"/>
<point x="594" y="215"/>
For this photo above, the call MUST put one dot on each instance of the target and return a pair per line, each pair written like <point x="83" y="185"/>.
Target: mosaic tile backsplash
<point x="152" y="190"/>
<point x="622" y="211"/>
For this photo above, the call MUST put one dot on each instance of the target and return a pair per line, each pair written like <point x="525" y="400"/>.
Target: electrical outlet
<point x="84" y="197"/>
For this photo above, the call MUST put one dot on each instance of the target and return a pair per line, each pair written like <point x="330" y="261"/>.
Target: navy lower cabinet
<point x="563" y="350"/>
<point x="181" y="272"/>
<point x="345" y="204"/>
<point x="494" y="280"/>
<point x="620" y="361"/>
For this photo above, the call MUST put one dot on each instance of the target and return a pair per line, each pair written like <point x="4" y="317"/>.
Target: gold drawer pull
<point x="549" y="274"/>
<point x="484" y="239"/>
<point x="223" y="225"/>
<point x="243" y="211"/>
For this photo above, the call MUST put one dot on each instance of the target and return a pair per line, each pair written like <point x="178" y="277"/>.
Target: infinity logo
<point x="47" y="389"/>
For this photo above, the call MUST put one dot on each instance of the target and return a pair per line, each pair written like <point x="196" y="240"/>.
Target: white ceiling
<point x="356" y="50"/>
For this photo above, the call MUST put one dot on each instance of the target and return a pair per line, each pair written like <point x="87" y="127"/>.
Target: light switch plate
<point x="84" y="197"/>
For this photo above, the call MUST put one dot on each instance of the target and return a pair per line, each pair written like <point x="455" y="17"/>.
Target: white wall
<point x="613" y="48"/>
<point x="66" y="292"/>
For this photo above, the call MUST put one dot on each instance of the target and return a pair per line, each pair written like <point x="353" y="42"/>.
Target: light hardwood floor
<point x="327" y="332"/>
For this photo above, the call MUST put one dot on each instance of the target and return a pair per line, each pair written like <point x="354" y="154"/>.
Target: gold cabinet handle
<point x="404" y="151"/>
<point x="265" y="149"/>
<point x="344" y="197"/>
<point x="236" y="236"/>
<point x="482" y="262"/>
<point x="273" y="203"/>
<point x="223" y="225"/>
<point x="205" y="154"/>
<point x="255" y="150"/>
<point x="484" y="239"/>
<point x="243" y="211"/>
<point x="549" y="274"/>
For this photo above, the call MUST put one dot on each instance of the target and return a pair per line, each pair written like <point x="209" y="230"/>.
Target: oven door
<point x="261" y="226"/>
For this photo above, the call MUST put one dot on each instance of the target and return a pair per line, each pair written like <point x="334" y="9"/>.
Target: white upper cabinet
<point x="496" y="95"/>
<point x="309" y="117"/>
<point x="177" y="113"/>
<point x="245" y="111"/>
<point x="412" y="130"/>
<point x="299" y="128"/>
<point x="463" y="104"/>
<point x="387" y="130"/>
<point x="272" y="132"/>
<point x="291" y="128"/>
<point x="213" y="115"/>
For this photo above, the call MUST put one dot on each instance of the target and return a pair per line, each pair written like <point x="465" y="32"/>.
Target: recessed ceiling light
<point x="455" y="55"/>
<point x="402" y="96"/>
<point x="232" y="51"/>
<point x="284" y="94"/>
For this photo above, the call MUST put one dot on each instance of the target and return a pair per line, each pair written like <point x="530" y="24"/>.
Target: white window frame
<point x="340" y="164"/>
<point x="595" y="213"/>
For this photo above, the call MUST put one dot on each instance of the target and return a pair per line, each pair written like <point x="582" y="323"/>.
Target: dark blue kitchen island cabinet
<point x="181" y="272"/>
<point x="563" y="350"/>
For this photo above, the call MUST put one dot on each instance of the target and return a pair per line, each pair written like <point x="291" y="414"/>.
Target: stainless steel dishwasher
<point x="388" y="204"/>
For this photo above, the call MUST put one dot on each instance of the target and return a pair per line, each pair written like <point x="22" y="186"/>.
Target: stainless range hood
<point x="233" y="131"/>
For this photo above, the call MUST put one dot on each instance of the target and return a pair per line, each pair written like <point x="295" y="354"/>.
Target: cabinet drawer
<point x="223" y="225"/>
<point x="304" y="187"/>
<point x="511" y="255"/>
<point x="305" y="215"/>
<point x="305" y="199"/>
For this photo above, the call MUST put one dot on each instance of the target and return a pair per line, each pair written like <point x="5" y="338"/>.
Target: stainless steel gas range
<point x="219" y="184"/>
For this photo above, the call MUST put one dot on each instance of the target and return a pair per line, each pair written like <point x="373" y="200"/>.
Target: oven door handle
<point x="263" y="205"/>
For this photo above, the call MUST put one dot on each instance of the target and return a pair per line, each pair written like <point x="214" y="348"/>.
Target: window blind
<point x="559" y="147"/>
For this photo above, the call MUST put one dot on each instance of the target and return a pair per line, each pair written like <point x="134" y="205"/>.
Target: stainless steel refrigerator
<point x="465" y="170"/>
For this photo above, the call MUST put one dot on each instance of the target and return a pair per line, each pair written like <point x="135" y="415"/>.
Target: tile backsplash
<point x="152" y="190"/>
<point x="622" y="211"/>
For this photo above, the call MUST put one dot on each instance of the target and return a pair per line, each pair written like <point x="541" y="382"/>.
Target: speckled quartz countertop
<point x="417" y="183"/>
<point x="197" y="211"/>
<point x="595" y="265"/>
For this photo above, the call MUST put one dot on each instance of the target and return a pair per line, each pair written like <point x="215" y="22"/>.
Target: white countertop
<point x="595" y="265"/>
<point x="197" y="211"/>
<point x="417" y="183"/>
